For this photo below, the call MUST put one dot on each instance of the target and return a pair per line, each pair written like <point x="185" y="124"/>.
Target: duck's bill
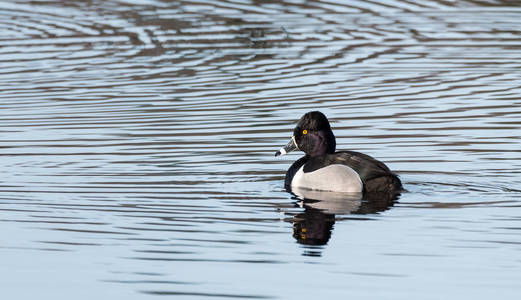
<point x="291" y="146"/>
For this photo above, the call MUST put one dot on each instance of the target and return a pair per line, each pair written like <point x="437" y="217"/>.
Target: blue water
<point x="138" y="139"/>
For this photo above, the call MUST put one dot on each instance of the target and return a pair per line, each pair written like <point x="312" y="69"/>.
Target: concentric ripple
<point x="137" y="142"/>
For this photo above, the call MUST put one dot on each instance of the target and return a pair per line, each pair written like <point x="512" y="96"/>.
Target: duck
<point x="325" y="169"/>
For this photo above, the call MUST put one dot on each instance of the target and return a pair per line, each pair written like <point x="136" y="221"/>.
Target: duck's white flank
<point x="336" y="178"/>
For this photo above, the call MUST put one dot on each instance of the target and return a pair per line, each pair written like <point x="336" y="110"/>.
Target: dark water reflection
<point x="314" y="226"/>
<point x="137" y="139"/>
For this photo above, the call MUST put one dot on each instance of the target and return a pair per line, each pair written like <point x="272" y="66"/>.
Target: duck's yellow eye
<point x="304" y="131"/>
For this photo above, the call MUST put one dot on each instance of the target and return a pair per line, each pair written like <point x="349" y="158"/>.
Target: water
<point x="138" y="140"/>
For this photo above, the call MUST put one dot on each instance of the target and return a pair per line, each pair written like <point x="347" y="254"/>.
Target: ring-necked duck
<point x="324" y="169"/>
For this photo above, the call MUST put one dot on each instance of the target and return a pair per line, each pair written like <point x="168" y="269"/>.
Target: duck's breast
<point x="335" y="177"/>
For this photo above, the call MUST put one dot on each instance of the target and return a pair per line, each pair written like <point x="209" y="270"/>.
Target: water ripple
<point x="149" y="127"/>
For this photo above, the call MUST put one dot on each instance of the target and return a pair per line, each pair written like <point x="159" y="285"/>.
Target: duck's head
<point x="312" y="135"/>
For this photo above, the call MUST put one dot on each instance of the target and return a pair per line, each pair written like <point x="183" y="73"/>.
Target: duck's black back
<point x="375" y="175"/>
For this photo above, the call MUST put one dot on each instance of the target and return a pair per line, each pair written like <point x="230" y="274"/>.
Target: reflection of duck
<point x="324" y="169"/>
<point x="314" y="226"/>
<point x="329" y="202"/>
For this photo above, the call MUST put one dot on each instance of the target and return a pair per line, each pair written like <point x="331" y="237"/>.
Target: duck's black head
<point x="313" y="135"/>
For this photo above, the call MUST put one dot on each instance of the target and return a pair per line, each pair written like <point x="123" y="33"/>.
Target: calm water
<point x="138" y="139"/>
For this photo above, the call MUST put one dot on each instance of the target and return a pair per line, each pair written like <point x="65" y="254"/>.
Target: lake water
<point x="137" y="143"/>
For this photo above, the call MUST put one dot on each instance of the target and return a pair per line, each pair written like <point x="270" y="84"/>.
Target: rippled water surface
<point x="138" y="139"/>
